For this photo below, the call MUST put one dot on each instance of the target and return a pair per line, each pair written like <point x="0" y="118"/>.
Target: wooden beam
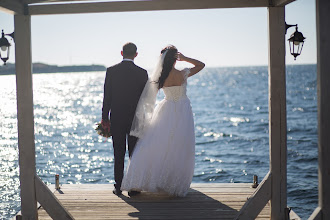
<point x="36" y="1"/>
<point x="257" y="201"/>
<point x="277" y="112"/>
<point x="52" y="1"/>
<point x="293" y="215"/>
<point x="49" y="202"/>
<point x="145" y="5"/>
<point x="316" y="215"/>
<point x="12" y="6"/>
<point x="323" y="97"/>
<point x="26" y="147"/>
<point x="281" y="2"/>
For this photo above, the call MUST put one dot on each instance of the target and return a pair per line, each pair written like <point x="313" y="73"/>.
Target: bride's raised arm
<point x="198" y="65"/>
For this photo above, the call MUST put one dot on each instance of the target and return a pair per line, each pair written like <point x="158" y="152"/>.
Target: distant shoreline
<point x="9" y="69"/>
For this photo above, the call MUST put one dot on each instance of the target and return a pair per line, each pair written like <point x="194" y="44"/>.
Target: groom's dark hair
<point x="129" y="49"/>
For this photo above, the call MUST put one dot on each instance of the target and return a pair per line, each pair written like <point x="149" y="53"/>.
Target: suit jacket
<point x="124" y="83"/>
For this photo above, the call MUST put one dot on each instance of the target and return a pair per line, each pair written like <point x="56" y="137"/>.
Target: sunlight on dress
<point x="164" y="158"/>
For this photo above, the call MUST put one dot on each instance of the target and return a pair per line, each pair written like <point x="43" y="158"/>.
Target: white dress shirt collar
<point x="126" y="59"/>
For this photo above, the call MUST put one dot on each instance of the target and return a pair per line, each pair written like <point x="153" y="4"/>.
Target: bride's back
<point x="175" y="78"/>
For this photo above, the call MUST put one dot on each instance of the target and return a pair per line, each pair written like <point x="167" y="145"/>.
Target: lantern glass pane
<point x="290" y="46"/>
<point x="4" y="54"/>
<point x="300" y="47"/>
<point x="294" y="48"/>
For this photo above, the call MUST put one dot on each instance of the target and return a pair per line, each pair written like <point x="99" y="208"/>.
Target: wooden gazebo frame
<point x="273" y="188"/>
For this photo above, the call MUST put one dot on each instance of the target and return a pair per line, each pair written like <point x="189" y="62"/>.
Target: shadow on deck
<point x="204" y="201"/>
<point x="196" y="205"/>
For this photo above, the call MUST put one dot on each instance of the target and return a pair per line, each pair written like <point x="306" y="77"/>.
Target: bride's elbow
<point x="201" y="65"/>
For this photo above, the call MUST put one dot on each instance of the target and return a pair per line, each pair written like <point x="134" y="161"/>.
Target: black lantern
<point x="296" y="42"/>
<point x="4" y="47"/>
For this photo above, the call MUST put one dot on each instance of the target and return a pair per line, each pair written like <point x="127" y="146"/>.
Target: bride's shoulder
<point x="178" y="73"/>
<point x="185" y="72"/>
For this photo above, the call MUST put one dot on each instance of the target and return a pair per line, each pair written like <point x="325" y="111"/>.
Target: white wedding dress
<point x="164" y="158"/>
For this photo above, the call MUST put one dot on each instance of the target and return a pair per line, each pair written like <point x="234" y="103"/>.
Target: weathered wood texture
<point x="12" y="6"/>
<point x="277" y="112"/>
<point x="85" y="6"/>
<point x="275" y="2"/>
<point x="145" y="5"/>
<point x="281" y="2"/>
<point x="257" y="201"/>
<point x="25" y="115"/>
<point x="323" y="94"/>
<point x="316" y="215"/>
<point x="204" y="201"/>
<point x="50" y="202"/>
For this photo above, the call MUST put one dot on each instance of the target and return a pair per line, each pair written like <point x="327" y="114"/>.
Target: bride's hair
<point x="169" y="60"/>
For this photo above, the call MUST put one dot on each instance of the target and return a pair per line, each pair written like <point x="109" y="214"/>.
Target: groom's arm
<point x="107" y="96"/>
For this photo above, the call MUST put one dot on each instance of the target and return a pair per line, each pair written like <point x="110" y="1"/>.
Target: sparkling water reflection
<point x="230" y="107"/>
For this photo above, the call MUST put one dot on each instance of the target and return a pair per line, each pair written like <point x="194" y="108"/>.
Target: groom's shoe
<point x="133" y="193"/>
<point x="117" y="192"/>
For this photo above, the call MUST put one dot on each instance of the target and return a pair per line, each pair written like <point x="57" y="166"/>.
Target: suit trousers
<point x="119" y="147"/>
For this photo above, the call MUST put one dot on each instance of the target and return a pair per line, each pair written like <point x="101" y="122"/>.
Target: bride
<point x="164" y="156"/>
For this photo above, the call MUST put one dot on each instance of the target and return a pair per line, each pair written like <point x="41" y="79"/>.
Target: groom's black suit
<point x="124" y="83"/>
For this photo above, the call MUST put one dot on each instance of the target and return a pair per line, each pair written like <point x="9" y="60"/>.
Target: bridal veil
<point x="146" y="105"/>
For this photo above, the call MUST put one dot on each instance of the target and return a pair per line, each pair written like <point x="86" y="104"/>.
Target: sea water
<point x="230" y="108"/>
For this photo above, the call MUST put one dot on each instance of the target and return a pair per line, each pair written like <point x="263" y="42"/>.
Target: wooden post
<point x="49" y="202"/>
<point x="323" y="99"/>
<point x="257" y="201"/>
<point x="25" y="116"/>
<point x="277" y="112"/>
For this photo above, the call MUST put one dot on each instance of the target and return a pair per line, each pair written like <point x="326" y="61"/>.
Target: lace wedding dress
<point x="164" y="158"/>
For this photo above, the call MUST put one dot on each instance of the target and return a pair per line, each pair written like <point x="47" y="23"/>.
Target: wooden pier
<point x="204" y="201"/>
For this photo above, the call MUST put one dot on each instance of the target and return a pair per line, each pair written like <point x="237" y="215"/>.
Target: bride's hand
<point x="180" y="57"/>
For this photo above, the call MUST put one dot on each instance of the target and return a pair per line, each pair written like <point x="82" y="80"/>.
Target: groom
<point x="124" y="83"/>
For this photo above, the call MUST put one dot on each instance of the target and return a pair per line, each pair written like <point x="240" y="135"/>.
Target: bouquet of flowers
<point x="103" y="129"/>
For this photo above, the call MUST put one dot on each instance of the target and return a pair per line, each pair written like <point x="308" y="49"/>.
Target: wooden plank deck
<point x="204" y="201"/>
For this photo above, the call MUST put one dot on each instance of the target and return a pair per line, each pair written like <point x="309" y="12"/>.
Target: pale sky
<point x="218" y="37"/>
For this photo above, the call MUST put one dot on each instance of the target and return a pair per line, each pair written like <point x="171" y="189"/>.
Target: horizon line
<point x="253" y="65"/>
